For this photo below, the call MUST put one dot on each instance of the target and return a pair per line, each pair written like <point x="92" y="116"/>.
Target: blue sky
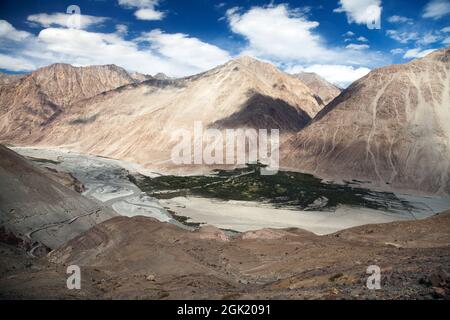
<point x="339" y="39"/>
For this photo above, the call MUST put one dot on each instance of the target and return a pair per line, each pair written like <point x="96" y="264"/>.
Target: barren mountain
<point x="391" y="127"/>
<point x="29" y="104"/>
<point x="136" y="122"/>
<point x="9" y="78"/>
<point x="36" y="209"/>
<point x="161" y="76"/>
<point x="141" y="258"/>
<point x="139" y="77"/>
<point x="325" y="90"/>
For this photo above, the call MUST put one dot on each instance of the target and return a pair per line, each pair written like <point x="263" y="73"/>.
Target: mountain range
<point x="390" y="127"/>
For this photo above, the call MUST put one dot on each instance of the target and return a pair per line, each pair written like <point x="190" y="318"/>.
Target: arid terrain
<point x="141" y="258"/>
<point x="86" y="179"/>
<point x="390" y="127"/>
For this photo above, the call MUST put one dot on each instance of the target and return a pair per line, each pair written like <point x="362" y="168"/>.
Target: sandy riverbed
<point x="245" y="216"/>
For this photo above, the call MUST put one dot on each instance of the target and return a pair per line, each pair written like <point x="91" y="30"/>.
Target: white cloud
<point x="340" y="75"/>
<point x="64" y="20"/>
<point x="361" y="11"/>
<point x="446" y="41"/>
<point x="145" y="9"/>
<point x="417" y="53"/>
<point x="402" y="37"/>
<point x="148" y="14"/>
<point x="399" y="19"/>
<point x="362" y="39"/>
<point x="349" y="34"/>
<point x="285" y="36"/>
<point x="354" y="46"/>
<point x="429" y="38"/>
<point x="271" y="32"/>
<point x="122" y="29"/>
<point x="397" y="51"/>
<point x="173" y="54"/>
<point x="436" y="9"/>
<point x="15" y="64"/>
<point x="7" y="31"/>
<point x="446" y="29"/>
<point x="184" y="49"/>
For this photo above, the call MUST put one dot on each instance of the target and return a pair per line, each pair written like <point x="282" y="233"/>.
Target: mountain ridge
<point x="133" y="121"/>
<point x="391" y="127"/>
<point x="321" y="87"/>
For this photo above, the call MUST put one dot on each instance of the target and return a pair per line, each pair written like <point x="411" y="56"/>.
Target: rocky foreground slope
<point x="9" y="78"/>
<point x="36" y="210"/>
<point x="391" y="126"/>
<point x="141" y="258"/>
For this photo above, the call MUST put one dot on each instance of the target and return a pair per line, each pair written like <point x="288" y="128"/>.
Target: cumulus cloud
<point x="148" y="14"/>
<point x="146" y="9"/>
<point x="276" y="31"/>
<point x="446" y="29"/>
<point x="173" y="54"/>
<point x="436" y="9"/>
<point x="362" y="39"/>
<point x="360" y="11"/>
<point x="417" y="53"/>
<point x="280" y="34"/>
<point x="181" y="48"/>
<point x="64" y="20"/>
<point x="354" y="46"/>
<point x="15" y="64"/>
<point x="8" y="32"/>
<point x="339" y="75"/>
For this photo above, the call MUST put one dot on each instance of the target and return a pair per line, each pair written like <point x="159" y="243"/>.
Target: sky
<point x="341" y="40"/>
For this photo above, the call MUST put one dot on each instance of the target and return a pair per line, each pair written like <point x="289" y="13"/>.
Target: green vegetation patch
<point x="41" y="160"/>
<point x="284" y="189"/>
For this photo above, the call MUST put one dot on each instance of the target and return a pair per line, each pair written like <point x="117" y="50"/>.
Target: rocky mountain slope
<point x="391" y="127"/>
<point x="29" y="104"/>
<point x="35" y="208"/>
<point x="136" y="122"/>
<point x="325" y="90"/>
<point x="139" y="77"/>
<point x="9" y="78"/>
<point x="141" y="258"/>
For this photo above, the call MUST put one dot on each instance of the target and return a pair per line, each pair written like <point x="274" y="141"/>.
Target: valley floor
<point x="108" y="180"/>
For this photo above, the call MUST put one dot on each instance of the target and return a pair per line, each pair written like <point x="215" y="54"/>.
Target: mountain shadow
<point x="264" y="112"/>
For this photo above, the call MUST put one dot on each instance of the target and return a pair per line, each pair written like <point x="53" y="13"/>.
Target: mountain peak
<point x="161" y="76"/>
<point x="249" y="61"/>
<point x="321" y="87"/>
<point x="442" y="55"/>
